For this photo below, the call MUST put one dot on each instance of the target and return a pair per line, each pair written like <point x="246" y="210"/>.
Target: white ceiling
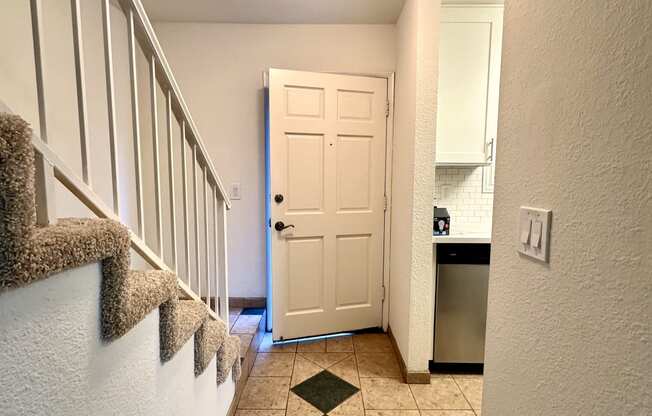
<point x="275" y="11"/>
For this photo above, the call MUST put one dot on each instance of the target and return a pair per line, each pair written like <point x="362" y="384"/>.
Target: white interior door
<point x="327" y="160"/>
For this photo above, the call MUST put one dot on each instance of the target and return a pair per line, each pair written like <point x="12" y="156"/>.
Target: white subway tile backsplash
<point x="459" y="190"/>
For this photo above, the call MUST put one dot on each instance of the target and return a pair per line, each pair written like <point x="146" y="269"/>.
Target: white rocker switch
<point x="526" y="226"/>
<point x="534" y="232"/>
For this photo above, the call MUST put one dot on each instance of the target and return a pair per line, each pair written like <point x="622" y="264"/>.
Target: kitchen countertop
<point x="463" y="238"/>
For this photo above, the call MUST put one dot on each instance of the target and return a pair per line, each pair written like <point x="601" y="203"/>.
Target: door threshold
<point x="372" y="330"/>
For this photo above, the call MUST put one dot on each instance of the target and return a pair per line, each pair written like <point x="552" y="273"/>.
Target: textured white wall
<point x="411" y="285"/>
<point x="53" y="361"/>
<point x="459" y="189"/>
<point x="219" y="69"/>
<point x="573" y="337"/>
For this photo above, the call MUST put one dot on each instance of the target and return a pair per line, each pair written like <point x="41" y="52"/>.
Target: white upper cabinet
<point x="469" y="78"/>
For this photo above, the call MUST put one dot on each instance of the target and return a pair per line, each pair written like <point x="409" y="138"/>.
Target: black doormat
<point x="252" y="311"/>
<point x="325" y="391"/>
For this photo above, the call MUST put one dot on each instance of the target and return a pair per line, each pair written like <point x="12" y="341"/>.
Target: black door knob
<point x="280" y="226"/>
<point x="278" y="198"/>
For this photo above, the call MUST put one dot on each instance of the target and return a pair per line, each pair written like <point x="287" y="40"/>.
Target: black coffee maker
<point x="441" y="223"/>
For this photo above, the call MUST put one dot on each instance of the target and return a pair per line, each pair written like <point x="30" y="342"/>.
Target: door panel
<point x="304" y="102"/>
<point x="327" y="158"/>
<point x="353" y="279"/>
<point x="305" y="165"/>
<point x="353" y="171"/>
<point x="305" y="275"/>
<point x="355" y="105"/>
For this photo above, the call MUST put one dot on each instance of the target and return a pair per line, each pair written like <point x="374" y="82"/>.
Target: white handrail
<point x="51" y="167"/>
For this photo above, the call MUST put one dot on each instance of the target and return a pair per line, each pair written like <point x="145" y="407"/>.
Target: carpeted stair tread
<point x="68" y="244"/>
<point x="228" y="357"/>
<point x="180" y="319"/>
<point x="29" y="253"/>
<point x="125" y="302"/>
<point x="208" y="340"/>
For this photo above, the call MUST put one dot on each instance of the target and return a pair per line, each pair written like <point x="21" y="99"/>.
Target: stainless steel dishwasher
<point x="461" y="303"/>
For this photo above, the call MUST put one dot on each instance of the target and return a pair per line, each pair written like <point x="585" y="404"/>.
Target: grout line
<point x="413" y="398"/>
<point x="287" y="400"/>
<point x="332" y="365"/>
<point x="357" y="370"/>
<point x="463" y="395"/>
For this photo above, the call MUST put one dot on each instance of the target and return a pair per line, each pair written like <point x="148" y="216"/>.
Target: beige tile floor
<point x="367" y="361"/>
<point x="243" y="326"/>
<point x="234" y="313"/>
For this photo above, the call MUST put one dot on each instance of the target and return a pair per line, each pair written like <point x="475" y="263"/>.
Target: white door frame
<point x="389" y="141"/>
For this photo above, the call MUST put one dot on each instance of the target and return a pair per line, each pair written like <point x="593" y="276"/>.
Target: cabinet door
<point x="469" y="78"/>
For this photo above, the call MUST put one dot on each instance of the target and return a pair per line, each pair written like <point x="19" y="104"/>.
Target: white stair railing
<point x="208" y="280"/>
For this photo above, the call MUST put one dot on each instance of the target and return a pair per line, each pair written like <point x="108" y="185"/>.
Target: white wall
<point x="573" y="336"/>
<point x="54" y="362"/>
<point x="219" y="69"/>
<point x="411" y="285"/>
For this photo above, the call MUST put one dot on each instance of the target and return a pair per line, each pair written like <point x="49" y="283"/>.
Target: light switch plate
<point x="235" y="192"/>
<point x="537" y="245"/>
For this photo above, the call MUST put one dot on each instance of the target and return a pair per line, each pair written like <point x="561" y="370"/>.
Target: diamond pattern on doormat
<point x="325" y="391"/>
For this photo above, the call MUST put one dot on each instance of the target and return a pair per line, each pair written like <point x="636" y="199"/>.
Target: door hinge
<point x="385" y="203"/>
<point x="387" y="105"/>
<point x="383" y="292"/>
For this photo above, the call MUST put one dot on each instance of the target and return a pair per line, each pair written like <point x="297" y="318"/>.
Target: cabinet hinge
<point x="387" y="105"/>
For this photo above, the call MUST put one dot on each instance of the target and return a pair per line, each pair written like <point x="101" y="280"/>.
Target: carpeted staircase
<point x="29" y="253"/>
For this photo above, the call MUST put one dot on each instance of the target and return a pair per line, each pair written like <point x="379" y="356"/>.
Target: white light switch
<point x="534" y="232"/>
<point x="525" y="230"/>
<point x="235" y="191"/>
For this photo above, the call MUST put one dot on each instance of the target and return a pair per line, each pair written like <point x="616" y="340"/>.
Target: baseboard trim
<point x="410" y="377"/>
<point x="236" y="302"/>
<point x="248" y="363"/>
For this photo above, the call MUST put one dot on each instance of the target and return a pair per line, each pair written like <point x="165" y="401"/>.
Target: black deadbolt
<point x="278" y="198"/>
